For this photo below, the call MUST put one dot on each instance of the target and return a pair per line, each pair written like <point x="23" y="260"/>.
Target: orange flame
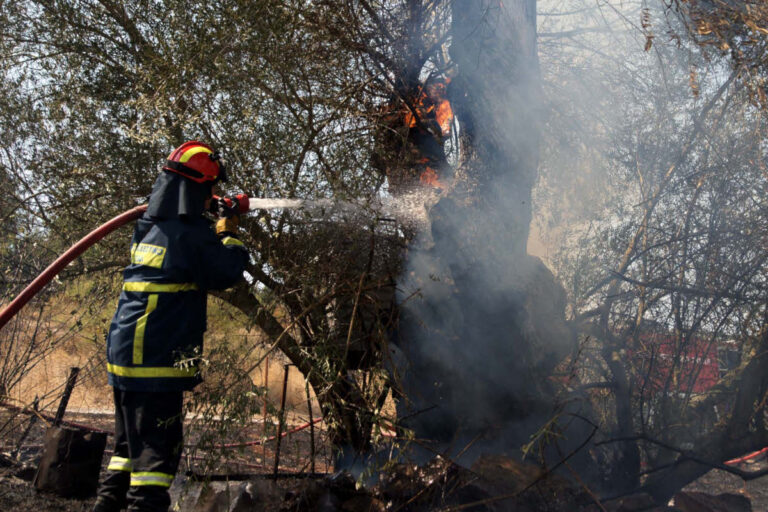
<point x="444" y="116"/>
<point x="422" y="111"/>
<point x="429" y="178"/>
<point x="432" y="102"/>
<point x="443" y="111"/>
<point x="427" y="112"/>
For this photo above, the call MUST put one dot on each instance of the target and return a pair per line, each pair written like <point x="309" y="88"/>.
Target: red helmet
<point x="196" y="161"/>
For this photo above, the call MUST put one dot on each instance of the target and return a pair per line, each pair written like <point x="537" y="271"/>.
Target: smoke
<point x="482" y="323"/>
<point x="483" y="338"/>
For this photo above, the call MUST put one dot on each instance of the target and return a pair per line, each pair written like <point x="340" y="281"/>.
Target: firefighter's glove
<point x="227" y="226"/>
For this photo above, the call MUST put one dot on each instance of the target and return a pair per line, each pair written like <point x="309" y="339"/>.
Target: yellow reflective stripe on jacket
<point x="151" y="478"/>
<point x="119" y="464"/>
<point x="141" y="327"/>
<point x="140" y="286"/>
<point x="148" y="372"/>
<point x="230" y="240"/>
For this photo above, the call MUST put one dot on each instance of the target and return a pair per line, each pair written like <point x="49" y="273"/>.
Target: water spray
<point x="240" y="204"/>
<point x="249" y="204"/>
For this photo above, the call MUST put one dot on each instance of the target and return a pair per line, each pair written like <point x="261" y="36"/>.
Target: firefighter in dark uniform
<point x="156" y="334"/>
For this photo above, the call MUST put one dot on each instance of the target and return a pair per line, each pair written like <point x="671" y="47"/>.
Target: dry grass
<point x="82" y="345"/>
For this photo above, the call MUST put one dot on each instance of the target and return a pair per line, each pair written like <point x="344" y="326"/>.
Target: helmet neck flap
<point x="174" y="196"/>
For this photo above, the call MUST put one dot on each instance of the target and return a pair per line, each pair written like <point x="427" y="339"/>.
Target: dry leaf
<point x="648" y="42"/>
<point x="693" y="83"/>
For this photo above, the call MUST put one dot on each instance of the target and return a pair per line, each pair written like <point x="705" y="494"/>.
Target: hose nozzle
<point x="229" y="206"/>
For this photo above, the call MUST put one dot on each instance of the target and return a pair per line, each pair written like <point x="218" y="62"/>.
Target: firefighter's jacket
<point x="156" y="334"/>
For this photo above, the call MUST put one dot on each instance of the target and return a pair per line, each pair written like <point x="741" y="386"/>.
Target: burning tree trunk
<point x="487" y="329"/>
<point x="417" y="121"/>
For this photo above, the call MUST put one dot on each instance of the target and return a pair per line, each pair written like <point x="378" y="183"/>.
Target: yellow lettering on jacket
<point x="148" y="254"/>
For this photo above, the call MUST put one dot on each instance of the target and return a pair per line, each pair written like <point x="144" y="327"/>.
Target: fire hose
<point x="239" y="204"/>
<point x="65" y="259"/>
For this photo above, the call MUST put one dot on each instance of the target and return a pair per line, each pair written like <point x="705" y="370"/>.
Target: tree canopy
<point x="638" y="157"/>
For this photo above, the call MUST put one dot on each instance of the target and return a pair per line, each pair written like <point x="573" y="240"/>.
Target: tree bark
<point x="488" y="326"/>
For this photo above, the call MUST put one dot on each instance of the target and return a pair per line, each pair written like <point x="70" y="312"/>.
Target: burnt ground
<point x="18" y="462"/>
<point x="437" y="486"/>
<point x="717" y="481"/>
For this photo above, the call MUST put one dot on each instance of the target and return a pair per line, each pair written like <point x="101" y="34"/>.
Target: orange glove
<point x="227" y="226"/>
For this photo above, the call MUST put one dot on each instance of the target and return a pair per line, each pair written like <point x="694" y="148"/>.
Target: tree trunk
<point x="487" y="326"/>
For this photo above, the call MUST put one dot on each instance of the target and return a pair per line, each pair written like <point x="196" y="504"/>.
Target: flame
<point x="429" y="118"/>
<point x="432" y="102"/>
<point x="444" y="117"/>
<point x="438" y="92"/>
<point x="429" y="178"/>
<point x="422" y="110"/>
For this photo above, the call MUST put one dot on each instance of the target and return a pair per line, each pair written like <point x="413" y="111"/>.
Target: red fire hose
<point x="747" y="458"/>
<point x="239" y="203"/>
<point x="65" y="259"/>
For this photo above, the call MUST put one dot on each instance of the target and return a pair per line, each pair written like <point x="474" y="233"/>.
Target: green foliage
<point x="97" y="93"/>
<point x="108" y="88"/>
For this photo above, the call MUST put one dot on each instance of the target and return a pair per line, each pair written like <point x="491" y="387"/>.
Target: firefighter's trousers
<point x="148" y="445"/>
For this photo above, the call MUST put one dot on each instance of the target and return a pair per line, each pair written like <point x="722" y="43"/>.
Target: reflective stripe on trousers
<point x="150" y="372"/>
<point x="119" y="464"/>
<point x="146" y="287"/>
<point x="151" y="478"/>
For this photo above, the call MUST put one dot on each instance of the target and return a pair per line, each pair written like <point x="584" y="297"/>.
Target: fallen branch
<point x="272" y="438"/>
<point x="686" y="455"/>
